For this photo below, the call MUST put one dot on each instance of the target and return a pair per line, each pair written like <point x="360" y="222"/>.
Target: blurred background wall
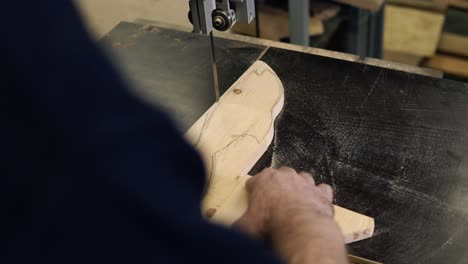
<point x="102" y="15"/>
<point x="428" y="33"/>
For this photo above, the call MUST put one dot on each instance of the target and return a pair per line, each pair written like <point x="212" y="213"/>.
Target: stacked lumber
<point x="429" y="33"/>
<point x="452" y="54"/>
<point x="274" y="22"/>
<point x="371" y="5"/>
<point x="410" y="32"/>
<point x="274" y="17"/>
<point x="461" y="4"/>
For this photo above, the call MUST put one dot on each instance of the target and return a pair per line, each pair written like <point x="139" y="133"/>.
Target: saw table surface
<point x="392" y="144"/>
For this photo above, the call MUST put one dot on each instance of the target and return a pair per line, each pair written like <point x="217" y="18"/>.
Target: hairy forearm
<point x="309" y="238"/>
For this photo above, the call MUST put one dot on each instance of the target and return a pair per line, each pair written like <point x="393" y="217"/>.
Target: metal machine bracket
<point x="206" y="15"/>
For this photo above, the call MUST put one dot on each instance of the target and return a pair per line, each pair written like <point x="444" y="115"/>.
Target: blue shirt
<point x="89" y="173"/>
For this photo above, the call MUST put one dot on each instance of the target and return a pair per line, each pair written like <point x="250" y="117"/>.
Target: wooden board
<point x="462" y="4"/>
<point x="453" y="43"/>
<point x="411" y="31"/>
<point x="234" y="133"/>
<point x="401" y="57"/>
<point x="434" y="5"/>
<point x="449" y="64"/>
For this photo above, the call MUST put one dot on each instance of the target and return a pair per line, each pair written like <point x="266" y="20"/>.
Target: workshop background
<point x="389" y="137"/>
<point x="427" y="33"/>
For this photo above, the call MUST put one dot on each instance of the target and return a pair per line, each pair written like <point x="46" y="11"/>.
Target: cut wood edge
<point x="227" y="197"/>
<point x="354" y="226"/>
<point x="246" y="134"/>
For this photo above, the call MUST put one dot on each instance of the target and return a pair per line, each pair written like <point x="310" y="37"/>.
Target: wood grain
<point x="234" y="133"/>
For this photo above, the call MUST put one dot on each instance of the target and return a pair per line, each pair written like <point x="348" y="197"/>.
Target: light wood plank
<point x="411" y="31"/>
<point x="401" y="57"/>
<point x="453" y="43"/>
<point x="234" y="133"/>
<point x="449" y="64"/>
<point x="430" y="5"/>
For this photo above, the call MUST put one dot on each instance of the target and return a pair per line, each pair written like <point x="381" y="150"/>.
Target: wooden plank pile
<point x="428" y="33"/>
<point x="274" y="20"/>
<point x="452" y="53"/>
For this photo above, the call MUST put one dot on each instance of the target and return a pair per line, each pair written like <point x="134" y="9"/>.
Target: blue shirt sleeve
<point x="89" y="173"/>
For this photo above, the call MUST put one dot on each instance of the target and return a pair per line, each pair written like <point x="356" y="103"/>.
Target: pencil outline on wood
<point x="266" y="138"/>
<point x="243" y="122"/>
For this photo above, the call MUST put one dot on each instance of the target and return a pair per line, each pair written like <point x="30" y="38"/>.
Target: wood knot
<point x="210" y="212"/>
<point x="237" y="91"/>
<point x="355" y="236"/>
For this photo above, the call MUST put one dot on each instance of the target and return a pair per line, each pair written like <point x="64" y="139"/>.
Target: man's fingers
<point x="308" y="176"/>
<point x="327" y="191"/>
<point x="287" y="170"/>
<point x="266" y="172"/>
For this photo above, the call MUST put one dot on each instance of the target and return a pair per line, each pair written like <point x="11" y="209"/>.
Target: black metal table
<point x="392" y="144"/>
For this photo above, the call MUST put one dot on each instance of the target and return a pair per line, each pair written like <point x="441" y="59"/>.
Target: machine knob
<point x="222" y="20"/>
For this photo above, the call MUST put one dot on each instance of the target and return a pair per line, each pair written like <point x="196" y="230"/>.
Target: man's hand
<point x="297" y="215"/>
<point x="274" y="195"/>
